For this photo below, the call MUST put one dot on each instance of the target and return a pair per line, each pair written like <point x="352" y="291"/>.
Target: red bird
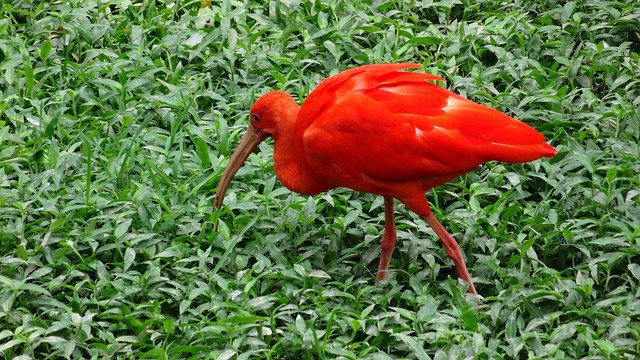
<point x="383" y="131"/>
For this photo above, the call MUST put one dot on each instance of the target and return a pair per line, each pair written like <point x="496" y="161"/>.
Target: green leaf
<point x="417" y="350"/>
<point x="469" y="318"/>
<point x="53" y="154"/>
<point x="45" y="50"/>
<point x="122" y="228"/>
<point x="129" y="258"/>
<point x="203" y="152"/>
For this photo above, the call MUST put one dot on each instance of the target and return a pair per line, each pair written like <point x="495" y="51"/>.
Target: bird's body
<point x="380" y="130"/>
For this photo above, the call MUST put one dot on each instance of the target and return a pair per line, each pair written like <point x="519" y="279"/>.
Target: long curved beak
<point x="248" y="143"/>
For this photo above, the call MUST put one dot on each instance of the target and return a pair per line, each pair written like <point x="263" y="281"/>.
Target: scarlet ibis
<point x="388" y="132"/>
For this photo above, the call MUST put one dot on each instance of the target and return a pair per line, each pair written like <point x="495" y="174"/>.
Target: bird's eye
<point x="255" y="117"/>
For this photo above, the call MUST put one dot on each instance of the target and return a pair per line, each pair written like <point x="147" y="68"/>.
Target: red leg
<point x="419" y="204"/>
<point x="388" y="239"/>
<point x="452" y="248"/>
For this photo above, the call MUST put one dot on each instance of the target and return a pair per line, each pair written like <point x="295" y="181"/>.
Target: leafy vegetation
<point x="116" y="120"/>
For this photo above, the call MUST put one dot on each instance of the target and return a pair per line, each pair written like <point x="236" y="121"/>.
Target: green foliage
<point x="116" y="119"/>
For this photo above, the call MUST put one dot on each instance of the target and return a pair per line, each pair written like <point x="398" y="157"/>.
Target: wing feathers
<point x="394" y="126"/>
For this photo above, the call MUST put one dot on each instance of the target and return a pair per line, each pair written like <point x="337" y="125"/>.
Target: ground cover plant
<point x="117" y="118"/>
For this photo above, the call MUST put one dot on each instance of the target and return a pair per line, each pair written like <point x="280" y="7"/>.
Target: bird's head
<point x="271" y="112"/>
<point x="267" y="117"/>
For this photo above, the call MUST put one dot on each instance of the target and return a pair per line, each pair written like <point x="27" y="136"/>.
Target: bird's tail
<point x="498" y="136"/>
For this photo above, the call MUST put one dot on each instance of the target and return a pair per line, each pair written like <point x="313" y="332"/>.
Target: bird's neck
<point x="289" y="160"/>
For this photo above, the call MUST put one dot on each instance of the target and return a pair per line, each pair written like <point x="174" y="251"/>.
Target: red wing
<point x="363" y="77"/>
<point x="393" y="126"/>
